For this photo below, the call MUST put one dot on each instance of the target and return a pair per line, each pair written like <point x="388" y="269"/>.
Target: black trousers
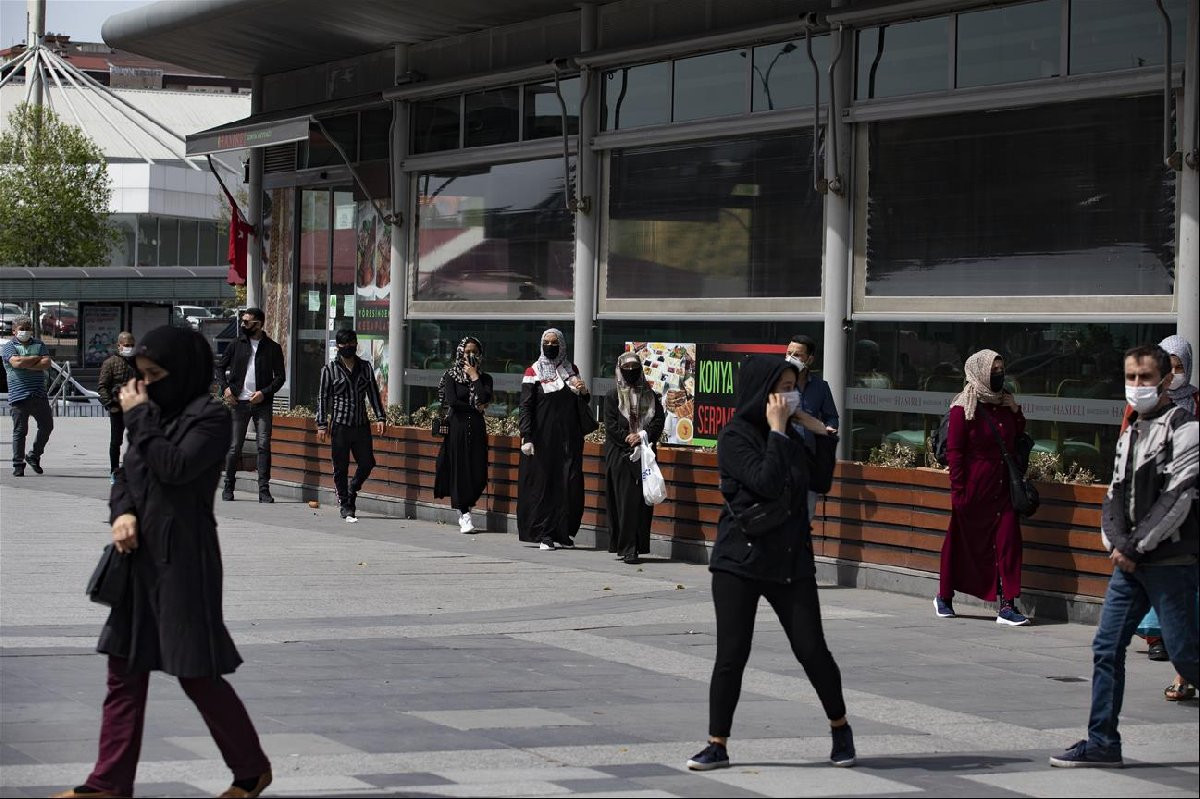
<point x="346" y="440"/>
<point x="799" y="611"/>
<point x="116" y="433"/>
<point x="261" y="414"/>
<point x="21" y="411"/>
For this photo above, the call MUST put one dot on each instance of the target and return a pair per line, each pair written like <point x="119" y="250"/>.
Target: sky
<point x="81" y="19"/>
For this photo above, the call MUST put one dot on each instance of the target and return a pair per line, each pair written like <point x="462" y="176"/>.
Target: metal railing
<point x="68" y="398"/>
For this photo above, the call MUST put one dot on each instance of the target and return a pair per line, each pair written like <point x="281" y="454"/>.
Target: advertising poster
<point x="716" y="381"/>
<point x="101" y="325"/>
<point x="373" y="284"/>
<point x="670" y="370"/>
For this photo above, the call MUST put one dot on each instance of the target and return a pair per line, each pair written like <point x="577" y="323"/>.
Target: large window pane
<point x="375" y="129"/>
<point x="495" y="233"/>
<point x="436" y="125"/>
<point x="543" y="113"/>
<point x="908" y="58"/>
<point x="311" y="321"/>
<point x="122" y="252"/>
<point x="493" y="117"/>
<point x="344" y="130"/>
<point x="1003" y="45"/>
<point x="637" y="96"/>
<point x="187" y="242"/>
<point x="147" y="243"/>
<point x="712" y="85"/>
<point x="1118" y="34"/>
<point x="168" y="238"/>
<point x="735" y="218"/>
<point x="783" y="75"/>
<point x="1067" y="199"/>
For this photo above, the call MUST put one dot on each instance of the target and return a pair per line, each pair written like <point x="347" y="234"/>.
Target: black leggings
<point x="116" y="422"/>
<point x="799" y="611"/>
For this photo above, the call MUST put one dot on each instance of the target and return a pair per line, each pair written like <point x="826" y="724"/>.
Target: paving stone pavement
<point x="401" y="658"/>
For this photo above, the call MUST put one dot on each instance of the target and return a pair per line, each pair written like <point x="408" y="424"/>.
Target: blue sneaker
<point x="943" y="608"/>
<point x="712" y="756"/>
<point x="1010" y="616"/>
<point x="843" y="753"/>
<point x="1080" y="756"/>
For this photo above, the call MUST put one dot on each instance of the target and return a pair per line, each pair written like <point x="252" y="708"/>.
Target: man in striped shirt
<point x="347" y="385"/>
<point x="26" y="361"/>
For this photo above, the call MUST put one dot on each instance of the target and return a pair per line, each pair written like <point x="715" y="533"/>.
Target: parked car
<point x="8" y="312"/>
<point x="220" y="312"/>
<point x="60" y="322"/>
<point x="190" y="315"/>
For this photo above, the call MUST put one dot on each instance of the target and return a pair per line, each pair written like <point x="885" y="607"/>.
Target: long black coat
<point x="629" y="517"/>
<point x="173" y="619"/>
<point x="462" y="461"/>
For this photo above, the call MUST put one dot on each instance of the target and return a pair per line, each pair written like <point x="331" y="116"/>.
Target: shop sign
<point x="716" y="385"/>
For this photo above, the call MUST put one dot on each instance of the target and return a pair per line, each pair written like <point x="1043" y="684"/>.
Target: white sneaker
<point x="545" y="547"/>
<point x="465" y="524"/>
<point x="351" y="520"/>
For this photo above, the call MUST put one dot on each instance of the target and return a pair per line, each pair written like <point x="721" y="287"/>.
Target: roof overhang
<point x="260" y="37"/>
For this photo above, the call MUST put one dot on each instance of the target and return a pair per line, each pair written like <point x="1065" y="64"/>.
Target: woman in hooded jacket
<point x="161" y="510"/>
<point x="763" y="462"/>
<point x="630" y="409"/>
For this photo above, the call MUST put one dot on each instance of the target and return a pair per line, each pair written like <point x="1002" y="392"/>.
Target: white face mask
<point x="796" y="362"/>
<point x="24" y="335"/>
<point x="125" y="352"/>
<point x="1141" y="398"/>
<point x="1178" y="381"/>
<point x="792" y="398"/>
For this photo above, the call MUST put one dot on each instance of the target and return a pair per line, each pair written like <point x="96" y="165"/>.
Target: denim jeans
<point x="261" y="413"/>
<point x="1171" y="591"/>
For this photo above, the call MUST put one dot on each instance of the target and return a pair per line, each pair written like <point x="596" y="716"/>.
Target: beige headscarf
<point x="978" y="388"/>
<point x="636" y="403"/>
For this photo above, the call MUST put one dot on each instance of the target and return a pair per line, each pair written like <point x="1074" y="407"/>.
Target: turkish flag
<point x="239" y="236"/>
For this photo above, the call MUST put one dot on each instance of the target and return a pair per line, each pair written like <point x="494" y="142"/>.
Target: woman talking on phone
<point x="464" y="391"/>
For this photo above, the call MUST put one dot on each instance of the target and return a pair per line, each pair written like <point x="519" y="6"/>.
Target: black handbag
<point x="1025" y="497"/>
<point x="439" y="425"/>
<point x="109" y="584"/>
<point x="760" y="517"/>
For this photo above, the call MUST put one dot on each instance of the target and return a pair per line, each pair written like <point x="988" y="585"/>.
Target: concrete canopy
<point x="248" y="37"/>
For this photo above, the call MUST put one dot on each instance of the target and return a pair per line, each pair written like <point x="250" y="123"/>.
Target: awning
<point x="247" y="132"/>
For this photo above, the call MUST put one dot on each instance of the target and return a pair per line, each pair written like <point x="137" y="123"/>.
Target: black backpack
<point x="939" y="439"/>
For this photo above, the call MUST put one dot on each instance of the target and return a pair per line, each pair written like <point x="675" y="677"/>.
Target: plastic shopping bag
<point x="654" y="488"/>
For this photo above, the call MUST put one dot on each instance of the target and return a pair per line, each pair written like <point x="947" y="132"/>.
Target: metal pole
<point x="402" y="223"/>
<point x="1187" y="257"/>
<point x="585" y="215"/>
<point x="36" y="17"/>
<point x="254" y="266"/>
<point x="837" y="252"/>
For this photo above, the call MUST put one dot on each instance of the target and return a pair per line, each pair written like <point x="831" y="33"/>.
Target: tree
<point x="54" y="193"/>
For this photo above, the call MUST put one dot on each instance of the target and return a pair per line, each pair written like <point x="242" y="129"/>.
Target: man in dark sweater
<point x="249" y="373"/>
<point x="1149" y="525"/>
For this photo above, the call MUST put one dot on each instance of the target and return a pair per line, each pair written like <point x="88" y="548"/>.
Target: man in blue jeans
<point x="1149" y="525"/>
<point x="25" y="362"/>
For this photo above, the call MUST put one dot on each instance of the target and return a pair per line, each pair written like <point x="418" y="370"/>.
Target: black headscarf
<point x="756" y="377"/>
<point x="188" y="359"/>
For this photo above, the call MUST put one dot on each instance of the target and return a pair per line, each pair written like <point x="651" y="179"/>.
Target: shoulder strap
<point x="991" y="423"/>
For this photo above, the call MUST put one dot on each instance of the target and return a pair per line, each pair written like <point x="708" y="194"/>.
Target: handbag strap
<point x="1008" y="461"/>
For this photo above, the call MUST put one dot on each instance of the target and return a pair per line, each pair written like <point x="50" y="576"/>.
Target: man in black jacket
<point x="248" y="392"/>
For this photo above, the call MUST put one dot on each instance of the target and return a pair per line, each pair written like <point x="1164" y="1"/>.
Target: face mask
<point x="996" y="382"/>
<point x="166" y="393"/>
<point x="550" y="351"/>
<point x="1178" y="381"/>
<point x="1141" y="398"/>
<point x="632" y="376"/>
<point x="792" y="398"/>
<point x="24" y="335"/>
<point x="472" y="359"/>
<point x="795" y="361"/>
<point x="125" y="352"/>
<point x="349" y="351"/>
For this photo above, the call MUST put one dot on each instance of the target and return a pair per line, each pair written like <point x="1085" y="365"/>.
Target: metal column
<point x="585" y="217"/>
<point x="402" y="204"/>
<point x="254" y="247"/>
<point x="35" y="30"/>
<point x="1187" y="258"/>
<point x="836" y="266"/>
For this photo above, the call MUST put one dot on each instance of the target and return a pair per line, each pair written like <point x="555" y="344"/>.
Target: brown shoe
<point x="234" y="792"/>
<point x="76" y="793"/>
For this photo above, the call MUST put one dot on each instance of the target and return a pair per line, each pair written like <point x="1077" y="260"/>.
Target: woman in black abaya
<point x="629" y="409"/>
<point x="462" y="461"/>
<point x="550" y="481"/>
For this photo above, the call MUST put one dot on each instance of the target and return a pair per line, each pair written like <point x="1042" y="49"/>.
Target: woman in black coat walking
<point x="464" y="391"/>
<point x="162" y="518"/>
<point x="630" y="409"/>
<point x="764" y="464"/>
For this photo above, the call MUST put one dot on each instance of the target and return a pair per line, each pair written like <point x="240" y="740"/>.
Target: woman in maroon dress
<point x="982" y="551"/>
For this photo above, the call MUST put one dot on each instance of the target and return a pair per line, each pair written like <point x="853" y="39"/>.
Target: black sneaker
<point x="1157" y="651"/>
<point x="843" y="753"/>
<point x="19" y="471"/>
<point x="35" y="462"/>
<point x="227" y="495"/>
<point x="710" y="757"/>
<point x="265" y="496"/>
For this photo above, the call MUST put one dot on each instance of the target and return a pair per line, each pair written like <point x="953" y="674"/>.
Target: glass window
<point x="637" y="96"/>
<point x="543" y="113"/>
<point x="908" y="58"/>
<point x="436" y="124"/>
<point x="1003" y="45"/>
<point x="187" y="242"/>
<point x="147" y="243"/>
<point x="498" y="232"/>
<point x="214" y="244"/>
<point x="168" y="242"/>
<point x="783" y="75"/>
<point x="344" y="130"/>
<point x="375" y="129"/>
<point x="311" y="321"/>
<point x="122" y="251"/>
<point x="1118" y="34"/>
<point x="493" y="117"/>
<point x="731" y="218"/>
<point x="1066" y="375"/>
<point x="712" y="85"/>
<point x="1066" y="199"/>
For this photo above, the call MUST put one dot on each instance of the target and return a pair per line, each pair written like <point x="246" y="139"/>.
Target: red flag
<point x="239" y="234"/>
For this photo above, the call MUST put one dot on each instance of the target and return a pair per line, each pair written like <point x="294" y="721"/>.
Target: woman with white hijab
<point x="550" y="480"/>
<point x="630" y="409"/>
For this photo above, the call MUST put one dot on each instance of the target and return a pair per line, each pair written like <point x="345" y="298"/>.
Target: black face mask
<point x="249" y="330"/>
<point x="632" y="376"/>
<point x="472" y="359"/>
<point x="348" y="352"/>
<point x="550" y="351"/>
<point x="168" y="393"/>
<point x="997" y="381"/>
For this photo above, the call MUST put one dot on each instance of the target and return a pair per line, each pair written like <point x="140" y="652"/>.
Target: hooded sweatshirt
<point x="757" y="465"/>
